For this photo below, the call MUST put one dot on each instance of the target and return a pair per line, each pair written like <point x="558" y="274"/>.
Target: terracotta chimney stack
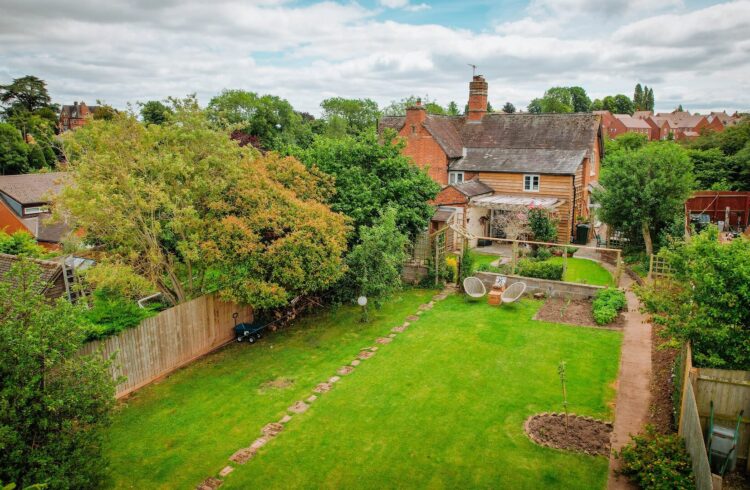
<point x="477" y="98"/>
<point x="415" y="115"/>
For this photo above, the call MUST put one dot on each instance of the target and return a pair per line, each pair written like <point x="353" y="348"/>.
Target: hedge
<point x="540" y="270"/>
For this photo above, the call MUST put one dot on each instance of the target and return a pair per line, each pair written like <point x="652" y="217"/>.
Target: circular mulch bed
<point x="583" y="434"/>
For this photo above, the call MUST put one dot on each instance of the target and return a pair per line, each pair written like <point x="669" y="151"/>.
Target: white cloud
<point x="404" y="4"/>
<point x="123" y="51"/>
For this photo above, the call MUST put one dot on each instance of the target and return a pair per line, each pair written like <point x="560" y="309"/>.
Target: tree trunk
<point x="647" y="238"/>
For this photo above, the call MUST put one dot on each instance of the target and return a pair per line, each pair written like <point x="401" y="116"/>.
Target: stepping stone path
<point x="365" y="354"/>
<point x="272" y="429"/>
<point x="299" y="407"/>
<point x="322" y="388"/>
<point x="243" y="455"/>
<point x="210" y="484"/>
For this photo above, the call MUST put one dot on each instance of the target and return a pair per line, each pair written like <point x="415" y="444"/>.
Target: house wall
<point x="559" y="186"/>
<point x="9" y="222"/>
<point x="449" y="196"/>
<point x="425" y="151"/>
<point x="473" y="223"/>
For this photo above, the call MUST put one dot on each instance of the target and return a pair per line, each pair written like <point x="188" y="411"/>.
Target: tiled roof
<point x="515" y="160"/>
<point x="32" y="188"/>
<point x="631" y="122"/>
<point x="44" y="230"/>
<point x="444" y="131"/>
<point x="564" y="136"/>
<point x="473" y="187"/>
<point x="532" y="131"/>
<point x="50" y="270"/>
<point x="73" y="111"/>
<point x="642" y="114"/>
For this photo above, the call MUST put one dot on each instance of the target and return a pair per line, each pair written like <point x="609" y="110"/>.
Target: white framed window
<point x="455" y="177"/>
<point x="531" y="183"/>
<point x="34" y="210"/>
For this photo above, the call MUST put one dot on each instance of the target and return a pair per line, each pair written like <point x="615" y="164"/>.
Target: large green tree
<point x="180" y="201"/>
<point x="375" y="262"/>
<point x="509" y="108"/>
<point x="722" y="159"/>
<point x="645" y="189"/>
<point x="27" y="93"/>
<point x="54" y="403"/>
<point x="371" y="176"/>
<point x="155" y="112"/>
<point x="14" y="153"/>
<point x="271" y="119"/>
<point x="358" y="115"/>
<point x="561" y="100"/>
<point x="398" y="108"/>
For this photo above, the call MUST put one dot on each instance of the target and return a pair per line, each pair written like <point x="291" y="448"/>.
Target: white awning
<point x="508" y="202"/>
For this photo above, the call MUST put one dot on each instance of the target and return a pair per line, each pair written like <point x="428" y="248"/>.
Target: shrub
<point x="656" y="461"/>
<point x="559" y="250"/>
<point x="20" y="243"/>
<point x="451" y="264"/>
<point x="540" y="270"/>
<point x="112" y="313"/>
<point x="607" y="305"/>
<point x="542" y="254"/>
<point x="503" y="269"/>
<point x="467" y="264"/>
<point x="542" y="226"/>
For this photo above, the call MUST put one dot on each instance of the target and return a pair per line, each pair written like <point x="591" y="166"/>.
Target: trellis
<point x="659" y="268"/>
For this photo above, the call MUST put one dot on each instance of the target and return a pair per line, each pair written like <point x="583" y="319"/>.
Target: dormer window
<point x="455" y="177"/>
<point x="531" y="183"/>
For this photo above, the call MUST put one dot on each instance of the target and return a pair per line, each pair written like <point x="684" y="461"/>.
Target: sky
<point x="691" y="52"/>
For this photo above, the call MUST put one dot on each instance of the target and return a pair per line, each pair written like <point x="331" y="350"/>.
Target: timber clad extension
<point x="526" y="156"/>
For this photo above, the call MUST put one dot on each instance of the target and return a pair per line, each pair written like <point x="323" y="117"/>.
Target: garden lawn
<point x="175" y="433"/>
<point x="585" y="271"/>
<point x="443" y="406"/>
<point x="484" y="259"/>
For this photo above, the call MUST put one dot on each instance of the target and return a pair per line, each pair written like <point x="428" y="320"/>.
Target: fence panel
<point x="171" y="339"/>
<point x="690" y="429"/>
<point x="730" y="392"/>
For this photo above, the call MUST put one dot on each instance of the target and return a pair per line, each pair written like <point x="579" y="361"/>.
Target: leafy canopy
<point x="644" y="189"/>
<point x="357" y="115"/>
<point x="372" y="176"/>
<point x="185" y="207"/>
<point x="375" y="262"/>
<point x="55" y="403"/>
<point x="155" y="112"/>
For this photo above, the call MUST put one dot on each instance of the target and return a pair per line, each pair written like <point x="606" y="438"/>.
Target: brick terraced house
<point x="74" y="116"/>
<point x="493" y="162"/>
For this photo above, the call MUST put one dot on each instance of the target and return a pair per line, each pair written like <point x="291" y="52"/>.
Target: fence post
<point x="618" y="269"/>
<point x="514" y="248"/>
<point x="565" y="260"/>
<point x="437" y="259"/>
<point x="650" y="268"/>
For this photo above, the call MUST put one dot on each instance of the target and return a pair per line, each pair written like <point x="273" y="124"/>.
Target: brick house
<point x="74" y="116"/>
<point x="684" y="125"/>
<point x="611" y="126"/>
<point x="547" y="160"/>
<point x="24" y="206"/>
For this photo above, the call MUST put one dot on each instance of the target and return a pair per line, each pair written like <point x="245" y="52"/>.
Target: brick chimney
<point x="415" y="116"/>
<point x="477" y="98"/>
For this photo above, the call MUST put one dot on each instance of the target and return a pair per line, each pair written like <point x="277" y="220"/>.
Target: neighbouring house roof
<point x="520" y="160"/>
<point x="44" y="230"/>
<point x="642" y="114"/>
<point x="525" y="134"/>
<point x="32" y="188"/>
<point x="472" y="188"/>
<point x="74" y="110"/>
<point x="51" y="271"/>
<point x="510" y="202"/>
<point x="631" y="122"/>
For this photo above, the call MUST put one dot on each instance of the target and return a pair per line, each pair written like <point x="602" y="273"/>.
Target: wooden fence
<point x="730" y="392"/>
<point x="689" y="425"/>
<point x="169" y="340"/>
